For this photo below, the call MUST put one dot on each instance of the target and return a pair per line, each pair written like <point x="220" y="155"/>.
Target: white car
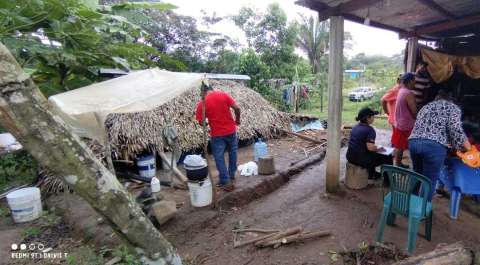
<point x="361" y="94"/>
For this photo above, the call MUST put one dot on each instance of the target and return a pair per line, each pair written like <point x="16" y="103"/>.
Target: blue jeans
<point x="219" y="145"/>
<point x="428" y="158"/>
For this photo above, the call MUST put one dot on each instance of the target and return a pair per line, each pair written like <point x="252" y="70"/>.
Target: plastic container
<point x="200" y="192"/>
<point x="155" y="185"/>
<point x="7" y="139"/>
<point x="25" y="204"/>
<point x="146" y="166"/>
<point x="195" y="167"/>
<point x="260" y="149"/>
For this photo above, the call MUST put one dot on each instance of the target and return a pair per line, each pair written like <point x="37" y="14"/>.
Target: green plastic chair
<point x="401" y="201"/>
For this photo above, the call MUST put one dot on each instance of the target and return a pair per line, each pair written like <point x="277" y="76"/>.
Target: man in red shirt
<point x="223" y="132"/>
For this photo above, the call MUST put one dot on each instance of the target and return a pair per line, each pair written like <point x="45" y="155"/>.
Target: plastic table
<point x="459" y="179"/>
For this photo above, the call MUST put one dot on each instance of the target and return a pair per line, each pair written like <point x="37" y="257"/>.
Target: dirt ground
<point x="351" y="217"/>
<point x="203" y="235"/>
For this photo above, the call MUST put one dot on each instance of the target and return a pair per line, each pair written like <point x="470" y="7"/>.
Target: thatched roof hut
<point x="136" y="108"/>
<point x="136" y="132"/>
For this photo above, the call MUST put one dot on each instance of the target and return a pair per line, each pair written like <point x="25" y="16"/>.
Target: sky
<point x="366" y="39"/>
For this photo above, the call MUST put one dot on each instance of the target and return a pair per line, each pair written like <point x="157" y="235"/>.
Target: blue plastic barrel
<point x="260" y="150"/>
<point x="146" y="166"/>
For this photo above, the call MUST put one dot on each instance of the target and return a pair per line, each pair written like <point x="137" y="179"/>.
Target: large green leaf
<point x="92" y="4"/>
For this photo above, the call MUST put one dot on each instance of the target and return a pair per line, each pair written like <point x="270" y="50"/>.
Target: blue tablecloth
<point x="456" y="174"/>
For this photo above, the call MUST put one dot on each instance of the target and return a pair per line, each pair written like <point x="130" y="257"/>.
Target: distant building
<point x="354" y="73"/>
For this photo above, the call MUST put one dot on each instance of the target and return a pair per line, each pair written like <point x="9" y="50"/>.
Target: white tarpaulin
<point x="135" y="92"/>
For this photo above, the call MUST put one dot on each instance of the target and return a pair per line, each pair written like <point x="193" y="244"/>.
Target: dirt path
<point x="351" y="217"/>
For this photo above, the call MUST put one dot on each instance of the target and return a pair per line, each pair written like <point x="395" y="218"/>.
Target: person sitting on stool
<point x="362" y="150"/>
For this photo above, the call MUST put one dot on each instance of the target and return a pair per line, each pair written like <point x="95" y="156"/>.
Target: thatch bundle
<point x="50" y="183"/>
<point x="135" y="132"/>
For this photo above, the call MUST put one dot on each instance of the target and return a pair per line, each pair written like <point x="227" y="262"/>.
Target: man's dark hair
<point x="407" y="77"/>
<point x="423" y="63"/>
<point x="206" y="87"/>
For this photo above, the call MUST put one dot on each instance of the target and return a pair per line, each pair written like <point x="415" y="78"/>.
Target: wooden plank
<point x="374" y="24"/>
<point x="306" y="138"/>
<point x="335" y="83"/>
<point x="345" y="8"/>
<point x="180" y="176"/>
<point x="446" y="25"/>
<point x="438" y="8"/>
<point x="412" y="53"/>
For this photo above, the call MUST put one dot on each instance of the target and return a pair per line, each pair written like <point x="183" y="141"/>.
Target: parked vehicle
<point x="361" y="94"/>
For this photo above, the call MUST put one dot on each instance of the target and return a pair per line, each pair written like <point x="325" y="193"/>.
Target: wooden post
<point x="335" y="83"/>
<point x="412" y="54"/>
<point x="108" y="151"/>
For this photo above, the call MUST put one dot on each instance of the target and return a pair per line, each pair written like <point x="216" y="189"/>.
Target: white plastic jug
<point x="155" y="184"/>
<point x="260" y="149"/>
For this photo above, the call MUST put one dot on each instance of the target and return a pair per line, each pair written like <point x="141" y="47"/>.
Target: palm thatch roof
<point x="136" y="132"/>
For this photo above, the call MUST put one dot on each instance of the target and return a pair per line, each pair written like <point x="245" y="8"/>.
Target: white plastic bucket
<point x="200" y="192"/>
<point x="25" y="204"/>
<point x="7" y="139"/>
<point x="146" y="166"/>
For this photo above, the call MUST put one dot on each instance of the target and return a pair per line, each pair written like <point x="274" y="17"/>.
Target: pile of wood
<point x="275" y="238"/>
<point x="132" y="133"/>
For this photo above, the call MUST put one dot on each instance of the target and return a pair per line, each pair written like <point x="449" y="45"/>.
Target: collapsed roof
<point x="135" y="109"/>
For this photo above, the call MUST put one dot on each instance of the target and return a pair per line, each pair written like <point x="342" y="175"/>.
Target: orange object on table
<point x="470" y="158"/>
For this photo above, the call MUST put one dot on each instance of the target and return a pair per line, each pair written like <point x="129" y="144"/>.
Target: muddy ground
<point x="203" y="235"/>
<point x="351" y="217"/>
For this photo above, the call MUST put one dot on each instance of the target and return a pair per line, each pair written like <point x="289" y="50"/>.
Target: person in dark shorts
<point x="362" y="150"/>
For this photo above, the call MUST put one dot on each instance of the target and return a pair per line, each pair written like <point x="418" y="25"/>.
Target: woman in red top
<point x="388" y="101"/>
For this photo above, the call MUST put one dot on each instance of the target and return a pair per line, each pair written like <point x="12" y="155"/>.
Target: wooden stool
<point x="356" y="177"/>
<point x="266" y="165"/>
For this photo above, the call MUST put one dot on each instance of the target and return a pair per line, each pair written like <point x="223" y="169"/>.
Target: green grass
<point x="31" y="231"/>
<point x="84" y="255"/>
<point x="349" y="110"/>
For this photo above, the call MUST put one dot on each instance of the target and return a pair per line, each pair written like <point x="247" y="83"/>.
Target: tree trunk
<point x="453" y="254"/>
<point x="24" y="112"/>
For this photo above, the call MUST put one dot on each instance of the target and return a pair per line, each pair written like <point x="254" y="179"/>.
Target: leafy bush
<point x="17" y="169"/>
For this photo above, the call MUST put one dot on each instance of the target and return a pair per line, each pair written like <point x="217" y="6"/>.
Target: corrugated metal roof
<point x="407" y="16"/>
<point x="228" y="77"/>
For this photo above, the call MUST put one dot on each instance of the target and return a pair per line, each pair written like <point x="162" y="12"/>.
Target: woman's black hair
<point x="363" y="119"/>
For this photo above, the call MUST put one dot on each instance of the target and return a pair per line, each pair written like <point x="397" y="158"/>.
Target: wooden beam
<point x="374" y="24"/>
<point x="412" y="54"/>
<point x="443" y="25"/>
<point x="436" y="7"/>
<point x="346" y="8"/>
<point x="335" y="84"/>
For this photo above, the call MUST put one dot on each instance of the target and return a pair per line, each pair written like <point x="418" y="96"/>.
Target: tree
<point x="24" y="112"/>
<point x="271" y="37"/>
<point x="313" y="40"/>
<point x="65" y="42"/>
<point x="250" y="64"/>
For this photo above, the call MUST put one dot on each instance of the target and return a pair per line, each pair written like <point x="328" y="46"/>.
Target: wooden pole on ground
<point x="205" y="148"/>
<point x="335" y="83"/>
